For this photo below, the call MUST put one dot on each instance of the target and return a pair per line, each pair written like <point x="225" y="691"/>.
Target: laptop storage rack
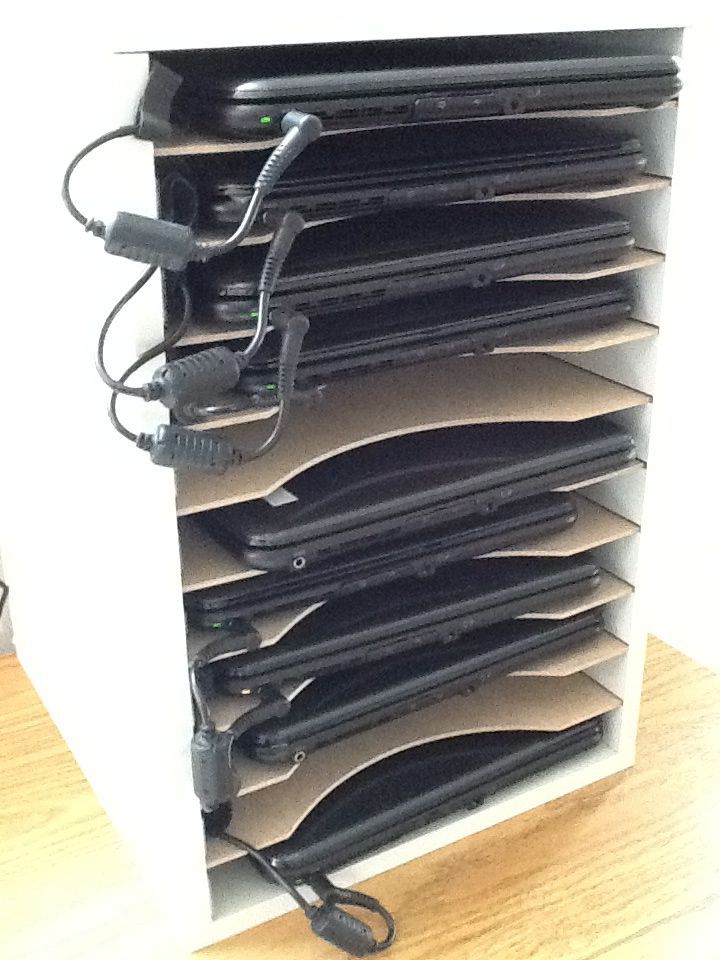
<point x="541" y="378"/>
<point x="613" y="367"/>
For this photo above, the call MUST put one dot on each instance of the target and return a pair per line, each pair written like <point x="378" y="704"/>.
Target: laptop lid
<point x="391" y="559"/>
<point x="340" y="704"/>
<point x="407" y="241"/>
<point x="406" y="791"/>
<point x="418" y="471"/>
<point x="439" y="317"/>
<point x="408" y="81"/>
<point x="528" y="153"/>
<point x="407" y="614"/>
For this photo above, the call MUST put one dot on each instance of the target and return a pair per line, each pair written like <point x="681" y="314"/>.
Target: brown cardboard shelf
<point x="610" y="335"/>
<point x="222" y="421"/>
<point x="460" y="391"/>
<point x="622" y="331"/>
<point x="636" y="258"/>
<point x="595" y="526"/>
<point x="630" y="467"/>
<point x="211" y="332"/>
<point x="600" y="191"/>
<point x="581" y="656"/>
<point x="609" y="589"/>
<point x="207" y="564"/>
<point x="189" y="143"/>
<point x="267" y="816"/>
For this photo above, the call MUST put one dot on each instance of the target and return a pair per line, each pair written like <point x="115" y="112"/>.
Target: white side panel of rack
<point x="88" y="524"/>
<point x="683" y="511"/>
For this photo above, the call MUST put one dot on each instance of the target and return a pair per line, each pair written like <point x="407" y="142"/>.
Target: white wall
<point x="5" y="625"/>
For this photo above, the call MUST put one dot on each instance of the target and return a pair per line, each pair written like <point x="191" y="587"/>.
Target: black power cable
<point x="163" y="346"/>
<point x="293" y="327"/>
<point x="171" y="246"/>
<point x="328" y="920"/>
<point x="164" y="243"/>
<point x="214" y="783"/>
<point x="119" y="386"/>
<point x="96" y="227"/>
<point x="180" y="382"/>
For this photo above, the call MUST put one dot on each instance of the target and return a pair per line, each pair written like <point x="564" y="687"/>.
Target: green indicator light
<point x="253" y="313"/>
<point x="270" y="386"/>
<point x="265" y="119"/>
<point x="216" y="626"/>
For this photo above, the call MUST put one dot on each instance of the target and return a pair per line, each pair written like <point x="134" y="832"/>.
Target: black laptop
<point x="245" y="93"/>
<point x="406" y="615"/>
<point x="338" y="266"/>
<point x="412" y="483"/>
<point x="344" y="703"/>
<point x="418" y="555"/>
<point x="366" y="172"/>
<point x="405" y="792"/>
<point x="416" y="329"/>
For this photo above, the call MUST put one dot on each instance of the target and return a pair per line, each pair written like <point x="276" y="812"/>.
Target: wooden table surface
<point x="626" y="869"/>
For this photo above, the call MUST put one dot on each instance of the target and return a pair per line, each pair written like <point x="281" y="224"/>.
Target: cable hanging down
<point x="183" y="382"/>
<point x="170" y="245"/>
<point x="119" y="386"/>
<point x="328" y="920"/>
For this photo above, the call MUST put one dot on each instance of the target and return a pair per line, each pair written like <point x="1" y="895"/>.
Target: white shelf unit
<point x="129" y="648"/>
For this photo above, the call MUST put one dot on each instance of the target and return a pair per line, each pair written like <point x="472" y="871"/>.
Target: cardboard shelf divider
<point x="601" y="191"/>
<point x="581" y="656"/>
<point x="456" y="392"/>
<point x="189" y="144"/>
<point x="609" y="335"/>
<point x="636" y="258"/>
<point x="267" y="816"/>
<point x="205" y="563"/>
<point x="630" y="467"/>
<point x="594" y="527"/>
<point x="236" y="418"/>
<point x="609" y="589"/>
<point x="213" y="332"/>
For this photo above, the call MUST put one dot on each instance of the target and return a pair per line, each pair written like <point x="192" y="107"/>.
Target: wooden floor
<point x="625" y="870"/>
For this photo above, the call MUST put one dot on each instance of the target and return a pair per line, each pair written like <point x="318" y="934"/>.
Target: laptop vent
<point x="346" y="301"/>
<point x="347" y="208"/>
<point x="437" y="272"/>
<point x="341" y="114"/>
